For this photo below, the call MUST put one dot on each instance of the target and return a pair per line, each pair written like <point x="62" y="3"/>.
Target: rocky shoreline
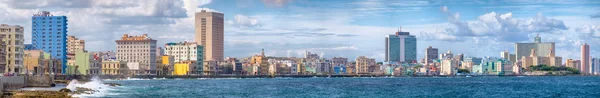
<point x="62" y="93"/>
<point x="36" y="94"/>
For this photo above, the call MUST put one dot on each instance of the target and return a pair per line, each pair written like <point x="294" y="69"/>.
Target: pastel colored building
<point x="186" y="51"/>
<point x="114" y="67"/>
<point x="573" y="64"/>
<point x="140" y="50"/>
<point x="475" y="60"/>
<point x="33" y="61"/>
<point x="401" y="47"/>
<point x="75" y="44"/>
<point x="86" y="64"/>
<point x="533" y="59"/>
<point x="585" y="59"/>
<point x="363" y="63"/>
<point x="183" y="68"/>
<point x="449" y="67"/>
<point x="49" y="33"/>
<point x="13" y="40"/>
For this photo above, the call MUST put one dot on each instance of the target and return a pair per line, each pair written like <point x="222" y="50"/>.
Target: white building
<point x="595" y="66"/>
<point x="140" y="49"/>
<point x="184" y="51"/>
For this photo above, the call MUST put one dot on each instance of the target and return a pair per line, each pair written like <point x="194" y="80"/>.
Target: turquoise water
<point x="566" y="86"/>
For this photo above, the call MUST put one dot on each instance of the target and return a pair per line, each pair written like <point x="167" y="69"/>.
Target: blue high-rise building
<point x="401" y="47"/>
<point x="49" y="33"/>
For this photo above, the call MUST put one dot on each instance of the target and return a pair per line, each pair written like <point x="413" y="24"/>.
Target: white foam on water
<point x="95" y="84"/>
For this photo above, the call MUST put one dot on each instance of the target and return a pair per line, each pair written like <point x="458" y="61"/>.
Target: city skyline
<point x="331" y="28"/>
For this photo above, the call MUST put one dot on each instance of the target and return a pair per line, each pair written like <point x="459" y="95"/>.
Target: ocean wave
<point x="99" y="89"/>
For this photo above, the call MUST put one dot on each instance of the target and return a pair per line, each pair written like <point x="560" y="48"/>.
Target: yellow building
<point x="363" y="63"/>
<point x="166" y="65"/>
<point x="113" y="67"/>
<point x="183" y="68"/>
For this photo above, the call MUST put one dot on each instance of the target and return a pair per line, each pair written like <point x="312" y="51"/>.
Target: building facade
<point x="363" y="63"/>
<point x="585" y="59"/>
<point x="74" y="44"/>
<point x="431" y="54"/>
<point x="33" y="59"/>
<point x="140" y="51"/>
<point x="541" y="48"/>
<point x="114" y="67"/>
<point x="13" y="39"/>
<point x="49" y="33"/>
<point x="573" y="64"/>
<point x="595" y="66"/>
<point x="449" y="66"/>
<point x="3" y="55"/>
<point x="186" y="51"/>
<point x="533" y="59"/>
<point x="401" y="47"/>
<point x="209" y="28"/>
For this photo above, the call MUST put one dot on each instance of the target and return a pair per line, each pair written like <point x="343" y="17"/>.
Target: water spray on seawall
<point x="97" y="87"/>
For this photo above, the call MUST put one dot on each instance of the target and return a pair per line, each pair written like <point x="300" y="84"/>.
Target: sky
<point x="330" y="28"/>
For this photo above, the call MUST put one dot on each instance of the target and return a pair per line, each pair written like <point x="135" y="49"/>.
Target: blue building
<point x="595" y="66"/>
<point x="29" y="47"/>
<point x="475" y="60"/>
<point x="401" y="47"/>
<point x="49" y="33"/>
<point x="341" y="69"/>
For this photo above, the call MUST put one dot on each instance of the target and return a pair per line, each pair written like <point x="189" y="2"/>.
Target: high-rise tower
<point x="49" y="33"/>
<point x="209" y="33"/>
<point x="585" y="59"/>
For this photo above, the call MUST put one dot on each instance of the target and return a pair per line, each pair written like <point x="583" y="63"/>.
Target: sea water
<point x="530" y="86"/>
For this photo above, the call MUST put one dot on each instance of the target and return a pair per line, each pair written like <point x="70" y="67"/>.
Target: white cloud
<point x="503" y="26"/>
<point x="590" y="30"/>
<point x="244" y="21"/>
<point x="337" y="48"/>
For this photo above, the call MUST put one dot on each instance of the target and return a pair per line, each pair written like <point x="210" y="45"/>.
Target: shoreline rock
<point x="37" y="94"/>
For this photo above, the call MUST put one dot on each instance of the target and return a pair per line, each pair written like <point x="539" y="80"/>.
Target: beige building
<point x="138" y="50"/>
<point x="363" y="63"/>
<point x="2" y="54"/>
<point x="449" y="66"/>
<point x="74" y="44"/>
<point x="33" y="59"/>
<point x="14" y="47"/>
<point x="541" y="48"/>
<point x="114" y="67"/>
<point x="533" y="59"/>
<point x="209" y="33"/>
<point x="573" y="63"/>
